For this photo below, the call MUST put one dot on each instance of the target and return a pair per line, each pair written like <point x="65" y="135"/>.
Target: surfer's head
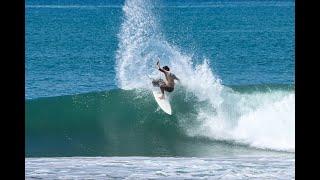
<point x="166" y="68"/>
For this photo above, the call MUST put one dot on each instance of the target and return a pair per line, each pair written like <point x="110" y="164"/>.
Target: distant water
<point x="71" y="48"/>
<point x="88" y="94"/>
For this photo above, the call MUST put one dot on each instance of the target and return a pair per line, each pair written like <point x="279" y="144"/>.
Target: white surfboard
<point x="163" y="103"/>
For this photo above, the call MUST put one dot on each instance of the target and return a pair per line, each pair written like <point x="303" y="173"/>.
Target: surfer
<point x="167" y="85"/>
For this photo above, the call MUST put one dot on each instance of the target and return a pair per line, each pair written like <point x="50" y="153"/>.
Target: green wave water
<point x="123" y="123"/>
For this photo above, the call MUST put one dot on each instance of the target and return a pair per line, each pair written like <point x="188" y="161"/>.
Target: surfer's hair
<point x="166" y="68"/>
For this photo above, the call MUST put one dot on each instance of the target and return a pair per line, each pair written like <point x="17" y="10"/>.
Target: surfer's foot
<point x="161" y="97"/>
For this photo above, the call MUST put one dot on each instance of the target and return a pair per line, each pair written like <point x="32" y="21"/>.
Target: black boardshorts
<point x="160" y="83"/>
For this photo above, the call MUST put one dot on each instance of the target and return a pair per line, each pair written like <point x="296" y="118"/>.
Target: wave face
<point x="129" y="122"/>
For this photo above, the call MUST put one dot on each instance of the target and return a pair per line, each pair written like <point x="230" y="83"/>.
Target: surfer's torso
<point x="169" y="78"/>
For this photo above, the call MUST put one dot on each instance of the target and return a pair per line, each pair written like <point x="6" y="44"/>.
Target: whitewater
<point x="260" y="119"/>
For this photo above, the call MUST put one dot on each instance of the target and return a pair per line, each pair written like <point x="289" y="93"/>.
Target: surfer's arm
<point x="176" y="78"/>
<point x="159" y="68"/>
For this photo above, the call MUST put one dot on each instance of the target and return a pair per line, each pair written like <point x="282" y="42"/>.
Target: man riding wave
<point x="168" y="84"/>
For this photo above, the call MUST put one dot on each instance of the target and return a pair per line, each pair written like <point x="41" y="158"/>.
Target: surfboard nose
<point x="164" y="104"/>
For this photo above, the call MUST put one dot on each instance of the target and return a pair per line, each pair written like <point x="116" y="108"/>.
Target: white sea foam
<point x="260" y="119"/>
<point x="235" y="167"/>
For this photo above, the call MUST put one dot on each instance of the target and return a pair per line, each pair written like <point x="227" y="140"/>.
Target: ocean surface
<point x="90" y="113"/>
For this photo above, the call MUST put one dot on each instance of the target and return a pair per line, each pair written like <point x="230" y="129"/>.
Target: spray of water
<point x="263" y="120"/>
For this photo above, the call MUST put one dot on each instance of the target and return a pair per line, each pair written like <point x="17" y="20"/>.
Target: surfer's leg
<point x="162" y="91"/>
<point x="157" y="82"/>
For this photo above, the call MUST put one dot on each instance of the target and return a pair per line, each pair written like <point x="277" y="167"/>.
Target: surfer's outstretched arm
<point x="159" y="68"/>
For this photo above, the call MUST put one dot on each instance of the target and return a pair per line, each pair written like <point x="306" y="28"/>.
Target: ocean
<point x="90" y="113"/>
